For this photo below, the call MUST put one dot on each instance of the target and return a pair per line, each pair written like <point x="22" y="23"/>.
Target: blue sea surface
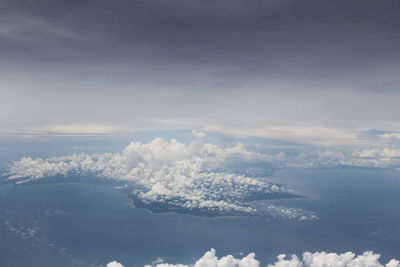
<point x="77" y="224"/>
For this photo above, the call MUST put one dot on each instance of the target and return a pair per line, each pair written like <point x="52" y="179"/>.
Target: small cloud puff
<point x="198" y="134"/>
<point x="317" y="259"/>
<point x="114" y="264"/>
<point x="157" y="261"/>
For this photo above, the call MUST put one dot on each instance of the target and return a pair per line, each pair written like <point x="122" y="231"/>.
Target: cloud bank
<point x="197" y="176"/>
<point x="317" y="259"/>
<point x="365" y="158"/>
<point x="258" y="64"/>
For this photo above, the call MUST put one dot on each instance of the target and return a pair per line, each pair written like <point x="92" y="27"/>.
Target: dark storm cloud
<point x="237" y="39"/>
<point x="235" y="63"/>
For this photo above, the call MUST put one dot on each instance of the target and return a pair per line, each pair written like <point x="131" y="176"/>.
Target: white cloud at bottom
<point x="316" y="259"/>
<point x="114" y="264"/>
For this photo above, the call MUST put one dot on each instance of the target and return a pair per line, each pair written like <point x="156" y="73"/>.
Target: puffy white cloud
<point x="283" y="262"/>
<point x="211" y="260"/>
<point x="198" y="133"/>
<point x="374" y="157"/>
<point x="324" y="259"/>
<point x="194" y="176"/>
<point x="317" y="259"/>
<point x="114" y="264"/>
<point x="197" y="176"/>
<point x="157" y="261"/>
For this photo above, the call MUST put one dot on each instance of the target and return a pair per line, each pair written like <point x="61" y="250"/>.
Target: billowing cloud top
<point x="196" y="176"/>
<point x="317" y="259"/>
<point x="114" y="264"/>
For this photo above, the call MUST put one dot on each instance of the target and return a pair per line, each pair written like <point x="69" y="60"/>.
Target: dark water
<point x="90" y="225"/>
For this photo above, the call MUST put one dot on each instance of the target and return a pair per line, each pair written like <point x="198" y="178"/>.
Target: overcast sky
<point x="240" y="65"/>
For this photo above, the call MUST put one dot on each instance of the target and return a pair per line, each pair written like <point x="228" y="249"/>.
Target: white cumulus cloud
<point x="211" y="260"/>
<point x="308" y="259"/>
<point x="198" y="176"/>
<point x="194" y="176"/>
<point x="324" y="259"/>
<point x="114" y="264"/>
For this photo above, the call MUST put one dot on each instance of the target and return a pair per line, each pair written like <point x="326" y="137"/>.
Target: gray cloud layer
<point x="255" y="37"/>
<point x="231" y="63"/>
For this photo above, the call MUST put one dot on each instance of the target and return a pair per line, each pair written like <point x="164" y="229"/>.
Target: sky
<point x="248" y="87"/>
<point x="310" y="71"/>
